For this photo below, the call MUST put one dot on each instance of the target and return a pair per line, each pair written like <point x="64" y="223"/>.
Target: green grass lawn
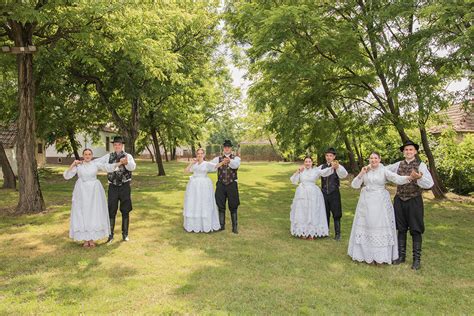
<point x="263" y="270"/>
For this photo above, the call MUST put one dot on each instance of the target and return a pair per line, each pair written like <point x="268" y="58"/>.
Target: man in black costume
<point x="119" y="186"/>
<point x="330" y="187"/>
<point x="226" y="187"/>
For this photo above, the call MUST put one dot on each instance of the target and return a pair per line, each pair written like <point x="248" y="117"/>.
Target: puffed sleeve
<point x="357" y="182"/>
<point x="395" y="178"/>
<point x="105" y="166"/>
<point x="325" y="172"/>
<point x="210" y="167"/>
<point x="341" y="172"/>
<point x="295" y="178"/>
<point x="215" y="160"/>
<point x="70" y="173"/>
<point x="102" y="160"/>
<point x="426" y="181"/>
<point x="393" y="167"/>
<point x="131" y="165"/>
<point x="234" y="163"/>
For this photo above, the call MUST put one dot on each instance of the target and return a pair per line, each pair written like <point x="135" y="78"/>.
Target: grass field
<point x="263" y="270"/>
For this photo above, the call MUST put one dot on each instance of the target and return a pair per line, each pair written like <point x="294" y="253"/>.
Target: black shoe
<point x="337" y="229"/>
<point x="416" y="255"/>
<point x="402" y="248"/>
<point x="110" y="239"/>
<point x="222" y="220"/>
<point x="125" y="224"/>
<point x="112" y="227"/>
<point x="235" y="229"/>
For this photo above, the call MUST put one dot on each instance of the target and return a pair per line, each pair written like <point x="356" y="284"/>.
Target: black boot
<point x="416" y="255"/>
<point x="125" y="223"/>
<point x="337" y="229"/>
<point x="112" y="226"/>
<point x="402" y="248"/>
<point x="222" y="220"/>
<point x="235" y="229"/>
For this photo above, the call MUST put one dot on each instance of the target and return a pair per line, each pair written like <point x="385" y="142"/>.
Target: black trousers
<point x="227" y="193"/>
<point x="409" y="215"/>
<point x="333" y="204"/>
<point x="120" y="194"/>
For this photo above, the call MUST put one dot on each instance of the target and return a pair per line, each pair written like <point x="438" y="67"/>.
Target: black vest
<point x="329" y="184"/>
<point x="226" y="174"/>
<point x="121" y="175"/>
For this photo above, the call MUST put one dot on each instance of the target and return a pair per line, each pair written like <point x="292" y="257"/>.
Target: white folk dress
<point x="308" y="212"/>
<point x="89" y="211"/>
<point x="200" y="210"/>
<point x="374" y="236"/>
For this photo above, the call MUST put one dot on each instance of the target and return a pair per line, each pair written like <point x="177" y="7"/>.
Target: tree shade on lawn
<point x="263" y="270"/>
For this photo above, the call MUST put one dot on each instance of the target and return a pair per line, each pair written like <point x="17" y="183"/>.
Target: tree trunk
<point x="72" y="140"/>
<point x="9" y="180"/>
<point x="360" y="158"/>
<point x="151" y="153"/>
<point x="438" y="188"/>
<point x="156" y="144"/>
<point x="30" y="197"/>
<point x="164" y="145"/>
<point x="193" y="149"/>
<point x="347" y="143"/>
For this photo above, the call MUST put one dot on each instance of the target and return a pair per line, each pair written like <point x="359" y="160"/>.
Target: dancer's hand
<point x="300" y="169"/>
<point x="76" y="162"/>
<point x="415" y="176"/>
<point x="124" y="161"/>
<point x="226" y="160"/>
<point x="335" y="164"/>
<point x="195" y="160"/>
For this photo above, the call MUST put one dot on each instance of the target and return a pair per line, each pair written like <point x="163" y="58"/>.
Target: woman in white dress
<point x="374" y="236"/>
<point x="308" y="213"/>
<point x="200" y="210"/>
<point x="89" y="213"/>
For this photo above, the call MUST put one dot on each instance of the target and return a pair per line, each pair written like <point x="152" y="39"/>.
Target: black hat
<point x="227" y="143"/>
<point x="118" y="139"/>
<point x="330" y="151"/>
<point x="409" y="143"/>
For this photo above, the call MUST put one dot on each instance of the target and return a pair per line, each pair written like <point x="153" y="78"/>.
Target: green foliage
<point x="258" y="152"/>
<point x="456" y="157"/>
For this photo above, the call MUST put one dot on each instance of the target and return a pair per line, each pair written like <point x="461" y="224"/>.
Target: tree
<point x="41" y="24"/>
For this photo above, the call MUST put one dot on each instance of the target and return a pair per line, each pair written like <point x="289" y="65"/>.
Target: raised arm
<point x="341" y="171"/>
<point x="211" y="166"/>
<point x="103" y="160"/>
<point x="131" y="164"/>
<point x="325" y="172"/>
<point x="190" y="167"/>
<point x="234" y="163"/>
<point x="295" y="178"/>
<point x="395" y="178"/>
<point x="359" y="179"/>
<point x="106" y="166"/>
<point x="70" y="172"/>
<point x="393" y="167"/>
<point x="426" y="181"/>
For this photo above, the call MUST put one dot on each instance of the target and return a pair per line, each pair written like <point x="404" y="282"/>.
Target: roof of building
<point x="460" y="118"/>
<point x="8" y="134"/>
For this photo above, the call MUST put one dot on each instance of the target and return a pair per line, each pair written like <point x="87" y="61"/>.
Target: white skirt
<point x="89" y="212"/>
<point x="373" y="236"/>
<point x="308" y="212"/>
<point x="200" y="210"/>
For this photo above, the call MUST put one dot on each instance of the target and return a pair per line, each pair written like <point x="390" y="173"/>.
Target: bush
<point x="455" y="158"/>
<point x="259" y="152"/>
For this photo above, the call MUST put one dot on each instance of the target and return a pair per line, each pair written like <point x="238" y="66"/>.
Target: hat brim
<point x="121" y="142"/>
<point x="402" y="148"/>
